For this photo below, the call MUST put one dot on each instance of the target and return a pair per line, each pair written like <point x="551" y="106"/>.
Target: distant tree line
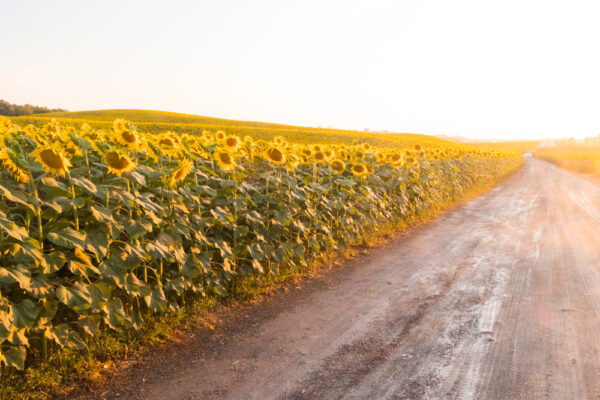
<point x="14" y="110"/>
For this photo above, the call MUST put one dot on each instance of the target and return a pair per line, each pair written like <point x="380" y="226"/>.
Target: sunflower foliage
<point x="99" y="227"/>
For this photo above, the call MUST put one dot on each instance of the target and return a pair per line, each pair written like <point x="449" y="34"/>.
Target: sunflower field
<point x="99" y="227"/>
<point x="578" y="158"/>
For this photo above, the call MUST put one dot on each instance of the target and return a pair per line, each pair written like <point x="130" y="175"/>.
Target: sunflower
<point x="366" y="147"/>
<point x="180" y="173"/>
<point x="5" y="125"/>
<point x="319" y="156"/>
<point x="85" y="128"/>
<point x="337" y="166"/>
<point x="53" y="161"/>
<point x="15" y="171"/>
<point x="118" y="164"/>
<point x="293" y="162"/>
<point x="119" y="125"/>
<point x="359" y="170"/>
<point x="397" y="160"/>
<point x="232" y="143"/>
<point x="248" y="140"/>
<point x="279" y="140"/>
<point x="51" y="129"/>
<point x="315" y="148"/>
<point x="168" y="146"/>
<point x="275" y="155"/>
<point x="306" y="151"/>
<point x="128" y="138"/>
<point x="225" y="160"/>
<point x="220" y="136"/>
<point x="417" y="147"/>
<point x="329" y="153"/>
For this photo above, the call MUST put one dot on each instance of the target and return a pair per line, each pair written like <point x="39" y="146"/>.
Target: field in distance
<point x="160" y="121"/>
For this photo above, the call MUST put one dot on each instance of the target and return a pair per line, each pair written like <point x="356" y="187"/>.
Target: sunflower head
<point x="417" y="147"/>
<point x="180" y="173"/>
<point x="306" y="151"/>
<point x="337" y="166"/>
<point x="118" y="164"/>
<point x="279" y="140"/>
<point x="275" y="156"/>
<point x="319" y="156"/>
<point x="53" y="160"/>
<point x="329" y="153"/>
<point x="225" y="160"/>
<point x="51" y="129"/>
<point x="168" y="146"/>
<point x="220" y="136"/>
<point x="85" y="128"/>
<point x="397" y="159"/>
<point x="18" y="173"/>
<point x="120" y="125"/>
<point x="5" y="125"/>
<point x="232" y="143"/>
<point x="128" y="138"/>
<point x="365" y="147"/>
<point x="359" y="170"/>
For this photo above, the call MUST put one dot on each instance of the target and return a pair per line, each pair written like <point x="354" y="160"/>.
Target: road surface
<point x="497" y="299"/>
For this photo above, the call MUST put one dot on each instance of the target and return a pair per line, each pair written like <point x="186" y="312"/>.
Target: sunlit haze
<point x="479" y="69"/>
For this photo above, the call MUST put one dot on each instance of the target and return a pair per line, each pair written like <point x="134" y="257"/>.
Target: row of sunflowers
<point x="99" y="228"/>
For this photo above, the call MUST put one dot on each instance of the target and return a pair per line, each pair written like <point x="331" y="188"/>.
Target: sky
<point x="510" y="69"/>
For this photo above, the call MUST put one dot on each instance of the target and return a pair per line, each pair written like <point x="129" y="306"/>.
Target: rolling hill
<point x="158" y="121"/>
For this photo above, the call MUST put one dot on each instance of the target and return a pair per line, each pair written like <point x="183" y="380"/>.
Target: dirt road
<point x="498" y="299"/>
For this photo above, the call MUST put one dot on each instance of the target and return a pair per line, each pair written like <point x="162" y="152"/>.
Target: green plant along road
<point x="100" y="228"/>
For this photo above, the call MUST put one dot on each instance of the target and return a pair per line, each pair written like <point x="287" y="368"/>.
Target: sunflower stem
<point x="75" y="212"/>
<point x="38" y="211"/>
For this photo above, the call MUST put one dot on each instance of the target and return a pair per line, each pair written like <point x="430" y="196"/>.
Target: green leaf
<point x="258" y="266"/>
<point x="52" y="262"/>
<point x="89" y="324"/>
<point x="135" y="229"/>
<point x="82" y="264"/>
<point x="114" y="314"/>
<point x="139" y="178"/>
<point x="77" y="297"/>
<point x="16" y="196"/>
<point x="224" y="249"/>
<point x="18" y="337"/>
<point x="67" y="237"/>
<point x="51" y="182"/>
<point x="256" y="251"/>
<point x="224" y="216"/>
<point x="156" y="300"/>
<point x="58" y="333"/>
<point x="85" y="183"/>
<point x="102" y="214"/>
<point x="14" y="230"/>
<point x="14" y="357"/>
<point x="5" y="325"/>
<point x="97" y="242"/>
<point x="24" y="314"/>
<point x="16" y="274"/>
<point x="196" y="264"/>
